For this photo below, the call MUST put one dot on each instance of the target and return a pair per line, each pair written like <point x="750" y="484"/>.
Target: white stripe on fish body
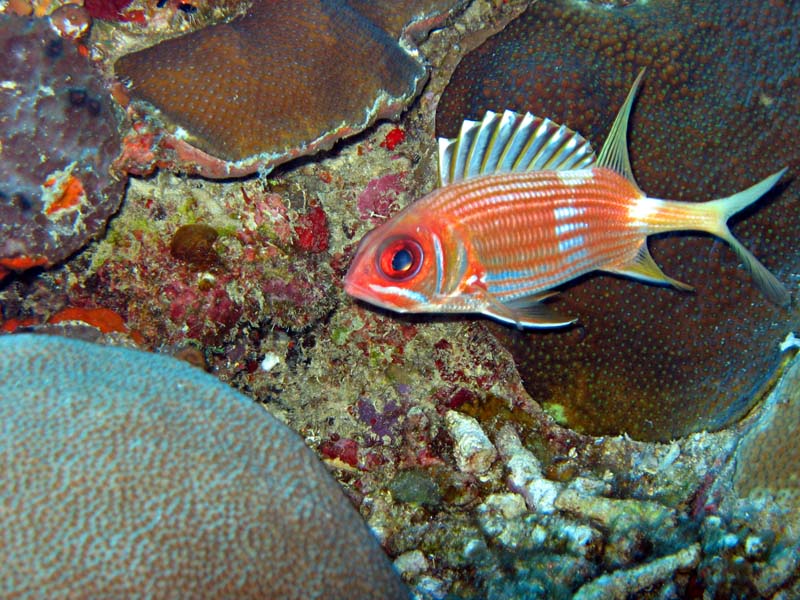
<point x="520" y="283"/>
<point x="439" y="254"/>
<point x="576" y="177"/>
<point x="566" y="228"/>
<point x="535" y="269"/>
<point x="512" y="284"/>
<point x="506" y="245"/>
<point x="642" y="211"/>
<point x="570" y="243"/>
<point x="534" y="231"/>
<point x="562" y="213"/>
<point x="466" y="200"/>
<point x="393" y="290"/>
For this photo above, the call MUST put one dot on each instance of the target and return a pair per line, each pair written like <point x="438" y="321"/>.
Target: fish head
<point x="401" y="265"/>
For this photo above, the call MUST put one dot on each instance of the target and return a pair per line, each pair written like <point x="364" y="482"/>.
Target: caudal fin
<point x="724" y="209"/>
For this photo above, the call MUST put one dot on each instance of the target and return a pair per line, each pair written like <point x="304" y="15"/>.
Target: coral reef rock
<point x="286" y="79"/>
<point x="58" y="138"/>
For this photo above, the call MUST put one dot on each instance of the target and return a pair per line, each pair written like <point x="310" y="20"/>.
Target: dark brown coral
<point x="717" y="112"/>
<point x="287" y="79"/>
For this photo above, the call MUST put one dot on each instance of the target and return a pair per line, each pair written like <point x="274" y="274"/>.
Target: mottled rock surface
<point x="58" y="138"/>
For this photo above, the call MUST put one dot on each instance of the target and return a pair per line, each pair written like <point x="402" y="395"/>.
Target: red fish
<point x="525" y="206"/>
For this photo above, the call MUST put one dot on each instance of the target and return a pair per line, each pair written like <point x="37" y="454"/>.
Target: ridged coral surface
<point x="769" y="454"/>
<point x="127" y="474"/>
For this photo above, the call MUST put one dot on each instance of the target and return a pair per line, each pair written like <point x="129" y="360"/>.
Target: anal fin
<point x="643" y="267"/>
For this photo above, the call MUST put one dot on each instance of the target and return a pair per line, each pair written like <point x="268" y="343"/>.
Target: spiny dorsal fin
<point x="511" y="142"/>
<point x="614" y="154"/>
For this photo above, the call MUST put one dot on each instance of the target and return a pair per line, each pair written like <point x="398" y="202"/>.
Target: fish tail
<point x="723" y="209"/>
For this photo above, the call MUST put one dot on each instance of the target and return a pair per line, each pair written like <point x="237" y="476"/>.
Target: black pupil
<point x="401" y="261"/>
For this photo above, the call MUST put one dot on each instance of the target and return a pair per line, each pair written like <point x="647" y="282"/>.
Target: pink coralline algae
<point x="59" y="138"/>
<point x="379" y="198"/>
<point x="127" y="474"/>
<point x="212" y="277"/>
<point x="205" y="314"/>
<point x="383" y="423"/>
<point x="343" y="449"/>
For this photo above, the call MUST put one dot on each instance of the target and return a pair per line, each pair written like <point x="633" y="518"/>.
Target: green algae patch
<point x="340" y="334"/>
<point x="416" y="486"/>
<point x="557" y="411"/>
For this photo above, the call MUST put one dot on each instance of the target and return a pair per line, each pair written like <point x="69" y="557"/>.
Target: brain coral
<point x="129" y="474"/>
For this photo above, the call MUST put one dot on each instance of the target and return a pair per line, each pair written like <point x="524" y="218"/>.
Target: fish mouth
<point x="366" y="293"/>
<point x="354" y="289"/>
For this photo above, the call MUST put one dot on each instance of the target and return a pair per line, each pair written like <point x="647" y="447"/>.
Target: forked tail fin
<point x="723" y="209"/>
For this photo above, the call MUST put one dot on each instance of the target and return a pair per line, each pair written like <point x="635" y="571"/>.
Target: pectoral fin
<point x="644" y="268"/>
<point x="526" y="312"/>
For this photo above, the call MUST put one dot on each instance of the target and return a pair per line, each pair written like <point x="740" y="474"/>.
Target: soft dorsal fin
<point x="614" y="154"/>
<point x="511" y="142"/>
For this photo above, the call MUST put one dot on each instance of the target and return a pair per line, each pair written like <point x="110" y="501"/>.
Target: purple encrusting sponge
<point x="133" y="475"/>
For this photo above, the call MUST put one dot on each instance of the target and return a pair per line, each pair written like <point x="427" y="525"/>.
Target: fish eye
<point x="399" y="259"/>
<point x="402" y="260"/>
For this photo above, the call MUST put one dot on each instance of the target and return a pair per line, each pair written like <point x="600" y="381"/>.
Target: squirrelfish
<point x="525" y="206"/>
